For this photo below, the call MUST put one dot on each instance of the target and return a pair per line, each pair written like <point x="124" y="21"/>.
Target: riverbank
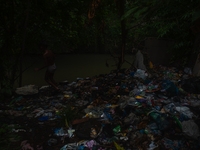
<point x="128" y="108"/>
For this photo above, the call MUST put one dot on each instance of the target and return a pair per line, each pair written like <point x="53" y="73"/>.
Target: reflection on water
<point x="71" y="66"/>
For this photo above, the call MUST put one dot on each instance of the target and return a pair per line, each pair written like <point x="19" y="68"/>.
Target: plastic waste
<point x="187" y="70"/>
<point x="170" y="88"/>
<point x="160" y="119"/>
<point x="134" y="92"/>
<point x="90" y="144"/>
<point x="94" y="112"/>
<point x="132" y="74"/>
<point x="108" y="114"/>
<point x="93" y="133"/>
<point x="116" y="107"/>
<point x="169" y="144"/>
<point x="25" y="145"/>
<point x="118" y="147"/>
<point x="131" y="118"/>
<point x="52" y="142"/>
<point x="70" y="132"/>
<point x="140" y="74"/>
<point x="27" y="90"/>
<point x="190" y="128"/>
<point x="185" y="111"/>
<point x="171" y="108"/>
<point x="70" y="146"/>
<point x="153" y="126"/>
<point x="18" y="130"/>
<point x="117" y="129"/>
<point x="195" y="103"/>
<point x="60" y="132"/>
<point x="45" y="118"/>
<point x="152" y="146"/>
<point x="140" y="99"/>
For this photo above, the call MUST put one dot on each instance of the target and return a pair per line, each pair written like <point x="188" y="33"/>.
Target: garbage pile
<point x="123" y="110"/>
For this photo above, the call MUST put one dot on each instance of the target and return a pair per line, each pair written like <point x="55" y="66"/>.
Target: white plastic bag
<point x="190" y="128"/>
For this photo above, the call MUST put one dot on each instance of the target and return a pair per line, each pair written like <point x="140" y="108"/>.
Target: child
<point x="49" y="59"/>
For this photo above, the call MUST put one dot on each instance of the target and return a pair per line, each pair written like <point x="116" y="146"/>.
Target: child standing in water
<point x="49" y="59"/>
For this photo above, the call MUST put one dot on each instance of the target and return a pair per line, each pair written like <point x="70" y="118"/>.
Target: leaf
<point x="196" y="15"/>
<point x="137" y="14"/>
<point x="128" y="13"/>
<point x="66" y="123"/>
<point x="117" y="146"/>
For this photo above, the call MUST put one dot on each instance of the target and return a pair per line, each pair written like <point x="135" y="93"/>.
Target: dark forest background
<point x="93" y="26"/>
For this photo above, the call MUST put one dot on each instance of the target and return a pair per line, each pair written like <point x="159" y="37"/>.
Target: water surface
<point x="70" y="67"/>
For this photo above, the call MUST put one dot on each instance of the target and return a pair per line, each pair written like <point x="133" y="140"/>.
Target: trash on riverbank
<point x="120" y="110"/>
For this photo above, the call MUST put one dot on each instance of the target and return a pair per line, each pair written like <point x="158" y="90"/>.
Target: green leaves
<point x="136" y="12"/>
<point x="128" y="13"/>
<point x="196" y="15"/>
<point x="140" y="12"/>
<point x="68" y="114"/>
<point x="165" y="19"/>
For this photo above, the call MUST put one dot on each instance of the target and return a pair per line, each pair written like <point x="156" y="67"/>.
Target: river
<point x="70" y="67"/>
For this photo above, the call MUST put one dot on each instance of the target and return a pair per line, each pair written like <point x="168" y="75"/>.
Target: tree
<point x="45" y="20"/>
<point x="166" y="19"/>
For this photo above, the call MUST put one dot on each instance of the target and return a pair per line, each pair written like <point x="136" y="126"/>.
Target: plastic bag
<point x="190" y="128"/>
<point x="185" y="111"/>
<point x="140" y="74"/>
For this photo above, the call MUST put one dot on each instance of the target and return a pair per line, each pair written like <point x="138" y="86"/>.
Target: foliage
<point x="66" y="27"/>
<point x="68" y="114"/>
<point x="6" y="136"/>
<point x="26" y="23"/>
<point x="166" y="19"/>
<point x="63" y="24"/>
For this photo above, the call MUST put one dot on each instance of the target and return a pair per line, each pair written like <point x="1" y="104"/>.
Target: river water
<point x="70" y="67"/>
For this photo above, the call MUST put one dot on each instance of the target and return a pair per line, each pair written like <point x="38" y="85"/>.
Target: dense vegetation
<point x="99" y="26"/>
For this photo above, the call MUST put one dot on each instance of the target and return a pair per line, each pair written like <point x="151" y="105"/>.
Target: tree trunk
<point x="123" y="31"/>
<point x="23" y="45"/>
